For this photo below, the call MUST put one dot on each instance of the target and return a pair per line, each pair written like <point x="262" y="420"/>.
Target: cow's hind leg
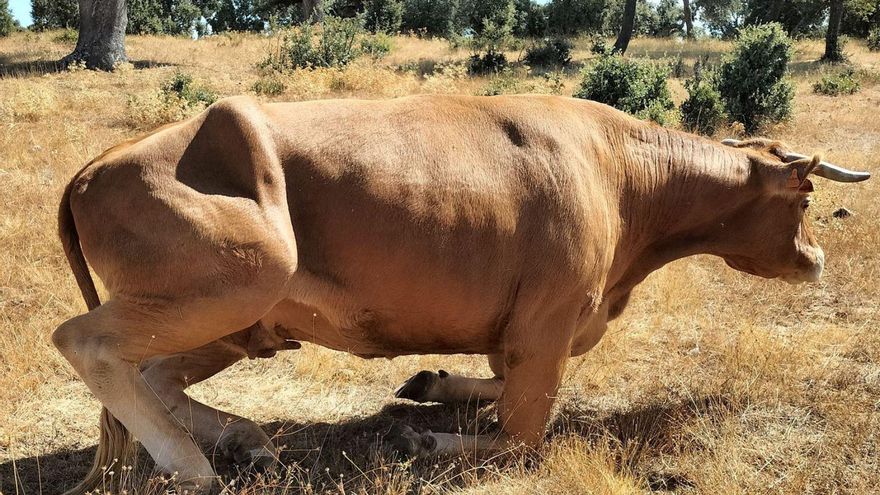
<point x="238" y="439"/>
<point x="107" y="347"/>
<point x="428" y="386"/>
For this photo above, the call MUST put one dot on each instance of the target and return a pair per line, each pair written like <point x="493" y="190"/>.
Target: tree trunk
<point x="626" y="27"/>
<point x="688" y="20"/>
<point x="313" y="10"/>
<point x="833" y="51"/>
<point x="101" y="42"/>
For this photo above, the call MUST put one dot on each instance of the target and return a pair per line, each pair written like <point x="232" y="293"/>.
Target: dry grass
<point x="712" y="382"/>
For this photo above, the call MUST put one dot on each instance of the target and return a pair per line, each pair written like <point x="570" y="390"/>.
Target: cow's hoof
<point x="261" y="460"/>
<point x="408" y="443"/>
<point x="198" y="486"/>
<point x="419" y="386"/>
<point x="249" y="449"/>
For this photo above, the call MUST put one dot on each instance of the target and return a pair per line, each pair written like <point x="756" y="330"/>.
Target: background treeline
<point x="664" y="18"/>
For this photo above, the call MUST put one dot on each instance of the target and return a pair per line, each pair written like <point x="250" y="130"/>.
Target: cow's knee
<point x="67" y="338"/>
<point x="87" y="351"/>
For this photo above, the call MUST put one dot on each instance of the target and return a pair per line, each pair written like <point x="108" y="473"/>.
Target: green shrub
<point x="376" y="45"/>
<point x="494" y="35"/>
<point x="555" y="52"/>
<point x="333" y="46"/>
<point x="384" y="16"/>
<point x="487" y="63"/>
<point x="505" y="82"/>
<point x="636" y="87"/>
<point x="842" y="83"/>
<point x="753" y="79"/>
<point x="678" y="67"/>
<point x="178" y="98"/>
<point x="190" y="94"/>
<point x="270" y="85"/>
<point x="702" y="111"/>
<point x="66" y="37"/>
<point x="599" y="45"/>
<point x="874" y="39"/>
<point x="431" y="17"/>
<point x="510" y="81"/>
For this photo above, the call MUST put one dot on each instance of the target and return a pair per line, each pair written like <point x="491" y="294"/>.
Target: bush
<point x="432" y="17"/>
<point x="488" y="63"/>
<point x="753" y="79"/>
<point x="384" y="16"/>
<point x="66" y="37"/>
<point x="182" y="87"/>
<point x="334" y="46"/>
<point x="505" y="82"/>
<point x="269" y="86"/>
<point x="508" y="81"/>
<point x="554" y="52"/>
<point x="177" y="99"/>
<point x="496" y="34"/>
<point x="702" y="111"/>
<point x="376" y="46"/>
<point x="874" y="39"/>
<point x="599" y="45"/>
<point x="636" y="87"/>
<point x="842" y="83"/>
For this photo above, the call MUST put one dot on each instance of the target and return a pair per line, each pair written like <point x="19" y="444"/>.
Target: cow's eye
<point x="806" y="203"/>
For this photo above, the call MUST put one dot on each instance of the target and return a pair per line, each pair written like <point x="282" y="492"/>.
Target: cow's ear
<point x="797" y="173"/>
<point x="806" y="186"/>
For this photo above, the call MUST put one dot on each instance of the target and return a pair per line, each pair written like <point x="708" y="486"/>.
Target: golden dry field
<point x="712" y="382"/>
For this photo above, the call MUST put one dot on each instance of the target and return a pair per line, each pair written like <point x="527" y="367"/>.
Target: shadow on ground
<point x="319" y="452"/>
<point x="10" y="69"/>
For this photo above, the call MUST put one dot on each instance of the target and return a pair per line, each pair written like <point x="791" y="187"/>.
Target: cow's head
<point x="770" y="234"/>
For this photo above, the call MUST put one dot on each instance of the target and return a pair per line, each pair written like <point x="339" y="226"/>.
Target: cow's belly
<point x="358" y="326"/>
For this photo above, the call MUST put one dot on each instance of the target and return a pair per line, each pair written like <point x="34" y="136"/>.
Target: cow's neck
<point x="676" y="190"/>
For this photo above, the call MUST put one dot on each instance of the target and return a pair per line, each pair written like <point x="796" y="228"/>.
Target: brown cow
<point x="513" y="227"/>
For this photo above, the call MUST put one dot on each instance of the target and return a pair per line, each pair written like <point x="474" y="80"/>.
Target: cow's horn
<point x="730" y="142"/>
<point x="831" y="171"/>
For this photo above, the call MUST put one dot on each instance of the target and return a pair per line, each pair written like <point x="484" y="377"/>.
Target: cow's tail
<point x="115" y="446"/>
<point x="75" y="258"/>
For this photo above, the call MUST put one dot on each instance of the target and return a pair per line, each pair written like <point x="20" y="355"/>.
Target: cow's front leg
<point x="533" y="364"/>
<point x="428" y="386"/>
